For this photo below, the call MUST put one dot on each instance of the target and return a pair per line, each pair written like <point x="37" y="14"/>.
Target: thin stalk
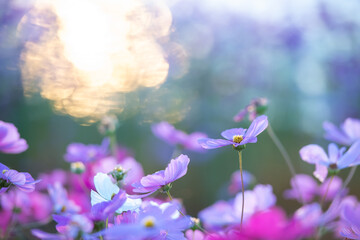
<point x="242" y="190"/>
<point x="326" y="191"/>
<point x="113" y="144"/>
<point x="107" y="223"/>
<point x="349" y="177"/>
<point x="286" y="156"/>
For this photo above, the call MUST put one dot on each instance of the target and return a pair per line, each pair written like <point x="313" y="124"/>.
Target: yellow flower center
<point x="118" y="169"/>
<point x="149" y="222"/>
<point x="238" y="138"/>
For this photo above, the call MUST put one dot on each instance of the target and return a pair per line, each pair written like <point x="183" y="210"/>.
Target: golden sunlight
<point x="90" y="52"/>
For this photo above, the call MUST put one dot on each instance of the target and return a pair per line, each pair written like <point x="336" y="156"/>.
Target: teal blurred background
<point x="303" y="56"/>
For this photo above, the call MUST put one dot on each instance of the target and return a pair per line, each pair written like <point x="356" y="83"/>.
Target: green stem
<point x="107" y="223"/>
<point x="242" y="190"/>
<point x="286" y="156"/>
<point x="113" y="144"/>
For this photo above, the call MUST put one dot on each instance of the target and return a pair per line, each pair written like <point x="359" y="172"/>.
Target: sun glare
<point x="90" y="52"/>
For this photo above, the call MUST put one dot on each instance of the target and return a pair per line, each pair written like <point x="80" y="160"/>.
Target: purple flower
<point x="149" y="184"/>
<point x="170" y="134"/>
<point x="151" y="223"/>
<point x="22" y="180"/>
<point x="347" y="134"/>
<point x="104" y="209"/>
<point x="225" y="213"/>
<point x="237" y="136"/>
<point x="351" y="216"/>
<point x="69" y="226"/>
<point x="256" y="108"/>
<point x="78" y="152"/>
<point x="61" y="202"/>
<point x="10" y="141"/>
<point x="336" y="159"/>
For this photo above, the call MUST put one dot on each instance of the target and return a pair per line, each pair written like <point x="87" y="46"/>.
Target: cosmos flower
<point x="69" y="226"/>
<point x="110" y="195"/>
<point x="171" y="135"/>
<point x="347" y="134"/>
<point x="309" y="188"/>
<point x="237" y="136"/>
<point x="351" y="229"/>
<point x="336" y="160"/>
<point x="10" y="141"/>
<point x="149" y="184"/>
<point x="78" y="152"/>
<point x="226" y="213"/>
<point x="22" y="180"/>
<point x="61" y="202"/>
<point x="150" y="223"/>
<point x="256" y="108"/>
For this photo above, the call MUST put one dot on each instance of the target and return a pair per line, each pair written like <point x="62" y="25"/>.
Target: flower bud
<point x="77" y="167"/>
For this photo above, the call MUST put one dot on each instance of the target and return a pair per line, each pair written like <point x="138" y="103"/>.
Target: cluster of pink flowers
<point x="105" y="194"/>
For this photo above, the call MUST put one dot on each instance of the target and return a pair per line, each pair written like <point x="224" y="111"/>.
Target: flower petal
<point x="176" y="169"/>
<point x="257" y="126"/>
<point x="104" y="186"/>
<point x="230" y="133"/>
<point x="313" y="154"/>
<point x="351" y="157"/>
<point x="333" y="133"/>
<point x="209" y="143"/>
<point x="320" y="172"/>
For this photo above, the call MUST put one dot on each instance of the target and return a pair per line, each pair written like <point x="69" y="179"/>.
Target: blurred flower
<point x="237" y="136"/>
<point x="10" y="141"/>
<point x="347" y="134"/>
<point x="235" y="184"/>
<point x="108" y="124"/>
<point x="151" y="223"/>
<point x="336" y="159"/>
<point x="309" y="188"/>
<point x="78" y="152"/>
<point x="149" y="184"/>
<point x="270" y="224"/>
<point x="109" y="192"/>
<point x="61" y="202"/>
<point x="194" y="235"/>
<point x="228" y="213"/>
<point x="69" y="226"/>
<point x="25" y="207"/>
<point x="256" y="108"/>
<point x="351" y="216"/>
<point x="171" y="135"/>
<point x="22" y="180"/>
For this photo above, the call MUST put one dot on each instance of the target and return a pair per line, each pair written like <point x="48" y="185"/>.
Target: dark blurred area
<point x="216" y="56"/>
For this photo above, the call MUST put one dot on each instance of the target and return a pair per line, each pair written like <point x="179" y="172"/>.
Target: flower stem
<point x="326" y="191"/>
<point x="107" y="223"/>
<point x="349" y="177"/>
<point x="242" y="190"/>
<point x="286" y="156"/>
<point x="113" y="144"/>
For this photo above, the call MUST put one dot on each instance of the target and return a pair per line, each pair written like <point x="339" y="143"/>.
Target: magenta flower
<point x="347" y="134"/>
<point x="10" y="141"/>
<point x="336" y="159"/>
<point x="22" y="180"/>
<point x="171" y="135"/>
<point x="237" y="136"/>
<point x="149" y="184"/>
<point x="256" y="108"/>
